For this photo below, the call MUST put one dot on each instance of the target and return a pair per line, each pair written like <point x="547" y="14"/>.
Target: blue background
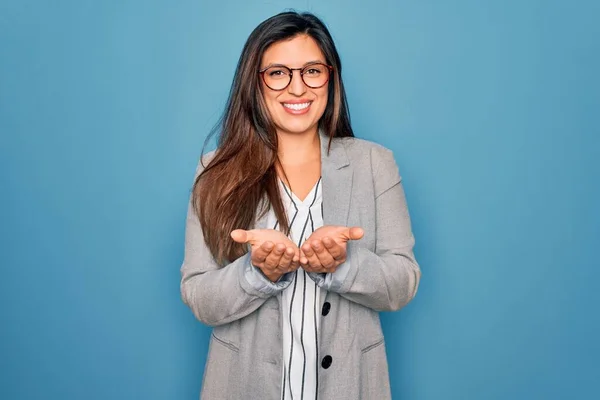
<point x="491" y="108"/>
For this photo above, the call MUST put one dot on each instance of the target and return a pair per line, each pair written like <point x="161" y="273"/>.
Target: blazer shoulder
<point x="362" y="150"/>
<point x="207" y="157"/>
<point x="375" y="158"/>
<point x="204" y="160"/>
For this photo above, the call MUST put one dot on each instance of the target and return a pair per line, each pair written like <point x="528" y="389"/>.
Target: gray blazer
<point x="361" y="187"/>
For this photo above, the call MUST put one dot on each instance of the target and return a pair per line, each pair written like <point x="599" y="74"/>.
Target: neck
<point x="299" y="148"/>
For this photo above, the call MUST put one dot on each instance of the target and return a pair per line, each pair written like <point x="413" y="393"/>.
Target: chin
<point x="296" y="129"/>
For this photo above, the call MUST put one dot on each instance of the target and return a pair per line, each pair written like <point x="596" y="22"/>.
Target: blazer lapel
<point x="336" y="176"/>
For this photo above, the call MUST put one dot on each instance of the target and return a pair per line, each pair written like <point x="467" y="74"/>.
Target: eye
<point x="313" y="70"/>
<point x="276" y="73"/>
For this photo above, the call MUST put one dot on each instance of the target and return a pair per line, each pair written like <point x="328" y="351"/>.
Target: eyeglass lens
<point x="313" y="75"/>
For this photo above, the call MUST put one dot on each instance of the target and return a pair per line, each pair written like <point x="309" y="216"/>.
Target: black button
<point x="326" y="307"/>
<point x="326" y="363"/>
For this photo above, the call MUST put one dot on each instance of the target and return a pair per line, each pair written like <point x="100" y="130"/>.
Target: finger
<point x="239" y="236"/>
<point x="286" y="258"/>
<point x="273" y="260"/>
<point x="355" y="233"/>
<point x="311" y="257"/>
<point x="260" y="254"/>
<point x="308" y="268"/>
<point x="295" y="264"/>
<point x="337" y="251"/>
<point x="325" y="258"/>
<point x="243" y="236"/>
<point x="303" y="259"/>
<point x="319" y="269"/>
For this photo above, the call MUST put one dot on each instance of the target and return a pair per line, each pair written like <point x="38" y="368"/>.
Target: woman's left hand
<point x="325" y="249"/>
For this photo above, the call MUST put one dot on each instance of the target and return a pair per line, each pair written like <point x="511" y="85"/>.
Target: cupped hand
<point x="271" y="251"/>
<point x="325" y="249"/>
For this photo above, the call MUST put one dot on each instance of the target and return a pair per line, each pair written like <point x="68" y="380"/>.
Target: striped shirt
<point x="300" y="301"/>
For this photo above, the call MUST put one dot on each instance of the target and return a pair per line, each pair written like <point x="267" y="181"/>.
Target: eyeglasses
<point x="278" y="77"/>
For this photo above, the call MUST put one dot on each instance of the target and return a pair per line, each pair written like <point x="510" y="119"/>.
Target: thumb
<point x="355" y="233"/>
<point x="241" y="236"/>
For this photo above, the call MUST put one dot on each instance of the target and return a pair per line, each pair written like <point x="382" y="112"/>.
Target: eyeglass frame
<point x="291" y="75"/>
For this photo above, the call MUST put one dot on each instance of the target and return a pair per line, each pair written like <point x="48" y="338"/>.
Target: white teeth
<point x="300" y="106"/>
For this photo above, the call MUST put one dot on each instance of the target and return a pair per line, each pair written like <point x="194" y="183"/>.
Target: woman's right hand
<point x="271" y="251"/>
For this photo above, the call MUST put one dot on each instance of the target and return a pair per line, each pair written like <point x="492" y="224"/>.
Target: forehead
<point x="293" y="52"/>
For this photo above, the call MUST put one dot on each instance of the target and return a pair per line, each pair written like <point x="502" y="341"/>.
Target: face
<point x="298" y="108"/>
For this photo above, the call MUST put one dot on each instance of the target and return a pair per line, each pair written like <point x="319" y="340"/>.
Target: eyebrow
<point x="305" y="64"/>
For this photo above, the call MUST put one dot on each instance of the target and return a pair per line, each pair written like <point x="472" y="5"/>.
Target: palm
<point x="256" y="237"/>
<point x="325" y="249"/>
<point x="340" y="234"/>
<point x="272" y="251"/>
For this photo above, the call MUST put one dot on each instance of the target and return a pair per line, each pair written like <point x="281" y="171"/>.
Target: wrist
<point x="272" y="276"/>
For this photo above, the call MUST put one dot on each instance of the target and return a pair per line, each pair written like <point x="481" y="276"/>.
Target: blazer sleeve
<point x="388" y="278"/>
<point x="219" y="295"/>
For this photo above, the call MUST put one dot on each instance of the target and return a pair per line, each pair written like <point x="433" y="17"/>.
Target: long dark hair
<point x="240" y="182"/>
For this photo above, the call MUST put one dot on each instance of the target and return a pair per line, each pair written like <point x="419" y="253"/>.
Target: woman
<point x="297" y="233"/>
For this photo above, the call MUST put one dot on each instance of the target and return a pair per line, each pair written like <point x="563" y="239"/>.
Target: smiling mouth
<point x="297" y="106"/>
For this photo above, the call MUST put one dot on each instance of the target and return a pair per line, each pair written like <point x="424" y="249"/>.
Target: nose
<point x="296" y="86"/>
